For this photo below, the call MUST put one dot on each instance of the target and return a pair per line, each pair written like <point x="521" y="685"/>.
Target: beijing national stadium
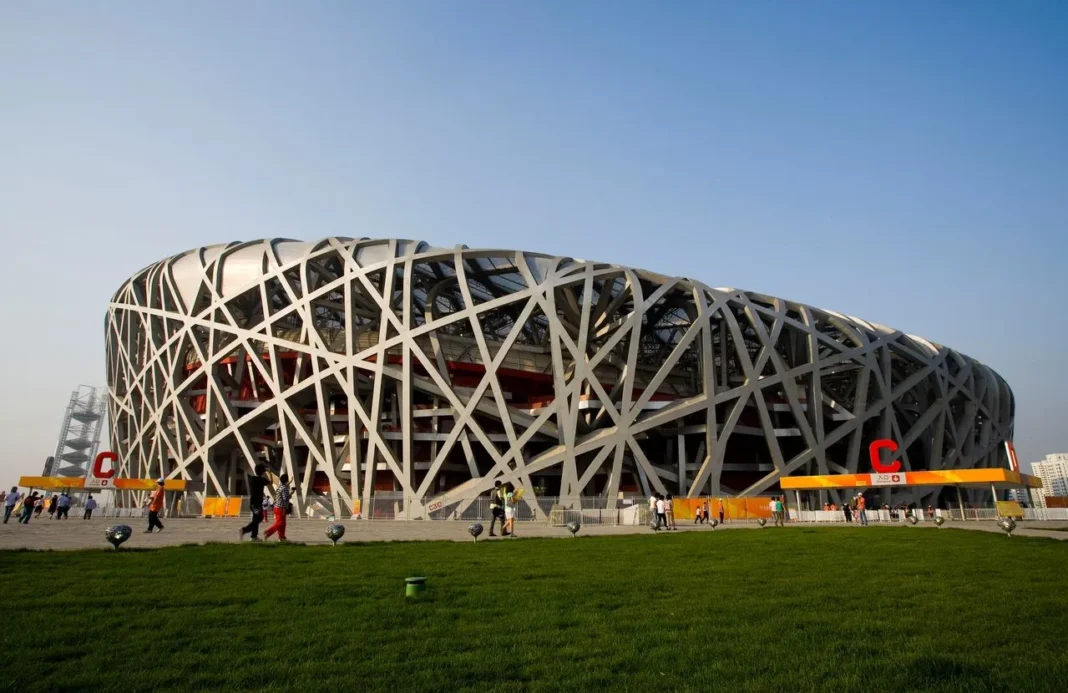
<point x="389" y="368"/>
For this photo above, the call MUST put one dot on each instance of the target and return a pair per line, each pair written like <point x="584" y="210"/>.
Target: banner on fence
<point x="1010" y="509"/>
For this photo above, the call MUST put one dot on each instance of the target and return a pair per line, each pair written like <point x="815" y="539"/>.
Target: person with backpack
<point x="496" y="507"/>
<point x="32" y="502"/>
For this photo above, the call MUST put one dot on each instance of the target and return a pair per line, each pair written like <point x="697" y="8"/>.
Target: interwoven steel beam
<point x="366" y="367"/>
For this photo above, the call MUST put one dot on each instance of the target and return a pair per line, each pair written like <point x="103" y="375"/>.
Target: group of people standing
<point x="702" y="516"/>
<point x="855" y="508"/>
<point x="778" y="511"/>
<point x="24" y="507"/>
<point x="663" y="510"/>
<point x="259" y="504"/>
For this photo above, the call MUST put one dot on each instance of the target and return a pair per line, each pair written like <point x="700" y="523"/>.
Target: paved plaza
<point x="65" y="535"/>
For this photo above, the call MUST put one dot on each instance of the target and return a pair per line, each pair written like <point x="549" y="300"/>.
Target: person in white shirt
<point x="90" y="506"/>
<point x="10" y="501"/>
<point x="652" y="508"/>
<point x="661" y="518"/>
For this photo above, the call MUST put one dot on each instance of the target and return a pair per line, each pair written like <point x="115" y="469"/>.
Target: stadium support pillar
<point x="994" y="491"/>
<point x="797" y="494"/>
<point x="682" y="464"/>
<point x="960" y="502"/>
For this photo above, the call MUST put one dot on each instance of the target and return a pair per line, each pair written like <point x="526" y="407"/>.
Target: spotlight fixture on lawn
<point x="940" y="520"/>
<point x="573" y="527"/>
<point x="117" y="534"/>
<point x="653" y="526"/>
<point x="335" y="532"/>
<point x="475" y="530"/>
<point x="762" y="522"/>
<point x="913" y="520"/>
<point x="714" y="523"/>
<point x="1008" y="525"/>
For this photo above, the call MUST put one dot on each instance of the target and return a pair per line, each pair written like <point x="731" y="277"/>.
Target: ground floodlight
<point x="118" y="534"/>
<point x="335" y="532"/>
<point x="475" y="530"/>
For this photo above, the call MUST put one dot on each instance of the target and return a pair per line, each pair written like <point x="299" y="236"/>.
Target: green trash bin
<point x="414" y="586"/>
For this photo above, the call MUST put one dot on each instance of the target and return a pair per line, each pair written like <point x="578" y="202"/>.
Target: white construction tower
<point x="79" y="437"/>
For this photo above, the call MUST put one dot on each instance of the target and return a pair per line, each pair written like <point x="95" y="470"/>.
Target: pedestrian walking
<point x="721" y="511"/>
<point x="780" y="512"/>
<point x="281" y="510"/>
<point x="669" y="511"/>
<point x="509" y="511"/>
<point x="497" y="507"/>
<point x="256" y="484"/>
<point x="63" y="506"/>
<point x="661" y="512"/>
<point x="848" y="512"/>
<point x="862" y="507"/>
<point x="32" y="503"/>
<point x="38" y="505"/>
<point x="155" y="505"/>
<point x="52" y="502"/>
<point x="90" y="506"/>
<point x="9" y="502"/>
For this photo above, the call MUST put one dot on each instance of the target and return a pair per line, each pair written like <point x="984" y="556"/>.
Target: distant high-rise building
<point x="1020" y="495"/>
<point x="1053" y="471"/>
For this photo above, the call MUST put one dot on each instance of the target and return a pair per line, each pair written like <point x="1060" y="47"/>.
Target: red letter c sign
<point x="98" y="465"/>
<point x="876" y="463"/>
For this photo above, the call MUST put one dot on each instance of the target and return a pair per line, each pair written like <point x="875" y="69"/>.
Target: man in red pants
<point x="281" y="508"/>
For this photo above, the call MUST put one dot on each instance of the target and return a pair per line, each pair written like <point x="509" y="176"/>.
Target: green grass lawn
<point x="795" y="609"/>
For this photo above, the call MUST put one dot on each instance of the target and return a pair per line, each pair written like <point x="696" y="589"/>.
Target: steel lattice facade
<point x="373" y="367"/>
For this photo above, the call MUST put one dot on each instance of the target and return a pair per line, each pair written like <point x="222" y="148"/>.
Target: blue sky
<point x="906" y="162"/>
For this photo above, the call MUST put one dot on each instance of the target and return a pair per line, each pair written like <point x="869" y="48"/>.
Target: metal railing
<point x="558" y="511"/>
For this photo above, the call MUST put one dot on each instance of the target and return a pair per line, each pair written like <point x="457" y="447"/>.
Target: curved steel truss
<point x="366" y="367"/>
